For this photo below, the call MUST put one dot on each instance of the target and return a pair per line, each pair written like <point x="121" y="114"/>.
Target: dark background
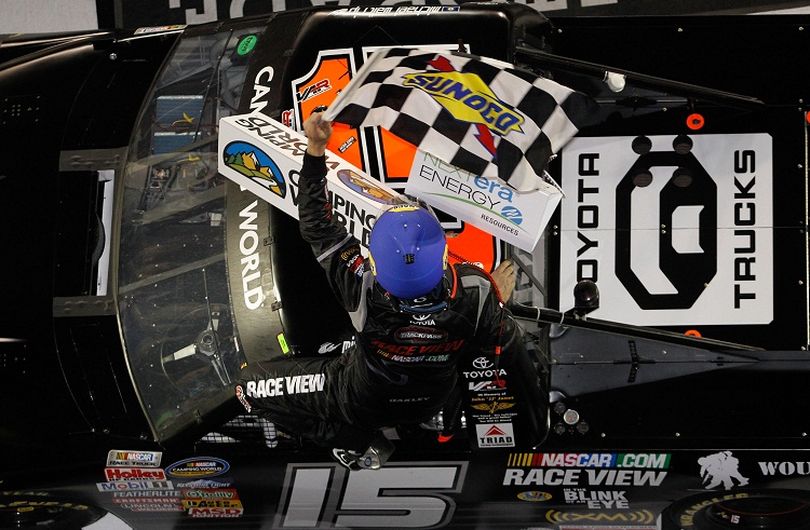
<point x="136" y="13"/>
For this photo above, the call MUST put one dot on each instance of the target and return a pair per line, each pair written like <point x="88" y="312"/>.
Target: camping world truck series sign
<point x="265" y="157"/>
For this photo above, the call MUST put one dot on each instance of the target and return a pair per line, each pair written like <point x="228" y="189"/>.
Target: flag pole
<point x="338" y="104"/>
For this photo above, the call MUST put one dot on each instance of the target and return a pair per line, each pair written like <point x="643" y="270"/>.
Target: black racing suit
<point x="403" y="366"/>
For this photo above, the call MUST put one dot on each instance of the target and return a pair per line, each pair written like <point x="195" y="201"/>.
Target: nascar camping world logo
<point x="197" y="467"/>
<point x="255" y="164"/>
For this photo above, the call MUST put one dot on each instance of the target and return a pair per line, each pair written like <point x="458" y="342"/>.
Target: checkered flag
<point x="476" y="113"/>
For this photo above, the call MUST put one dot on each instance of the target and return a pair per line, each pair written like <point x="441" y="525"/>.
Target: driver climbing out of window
<point x="419" y="324"/>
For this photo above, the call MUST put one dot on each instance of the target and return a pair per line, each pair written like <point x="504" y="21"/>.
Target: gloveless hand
<point x="317" y="131"/>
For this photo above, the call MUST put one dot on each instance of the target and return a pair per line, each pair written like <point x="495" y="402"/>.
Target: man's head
<point x="408" y="251"/>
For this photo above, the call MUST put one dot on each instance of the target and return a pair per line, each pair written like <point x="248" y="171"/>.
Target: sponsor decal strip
<point x="196" y="467"/>
<point x="280" y="386"/>
<point x="576" y="477"/>
<point x="618" y="460"/>
<point x="134" y="473"/>
<point x="123" y="485"/>
<point x="118" y="458"/>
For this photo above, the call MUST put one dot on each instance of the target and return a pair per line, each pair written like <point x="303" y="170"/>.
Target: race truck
<point x="664" y="304"/>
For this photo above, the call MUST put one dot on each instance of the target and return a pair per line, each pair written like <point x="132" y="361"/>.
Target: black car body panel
<point x="126" y="255"/>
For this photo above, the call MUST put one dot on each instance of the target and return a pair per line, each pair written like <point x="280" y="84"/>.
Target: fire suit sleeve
<point x="337" y="251"/>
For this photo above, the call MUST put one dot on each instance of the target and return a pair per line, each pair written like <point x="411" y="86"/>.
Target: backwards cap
<point x="408" y="251"/>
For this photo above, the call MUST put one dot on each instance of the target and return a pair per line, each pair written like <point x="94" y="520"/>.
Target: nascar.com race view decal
<point x="674" y="230"/>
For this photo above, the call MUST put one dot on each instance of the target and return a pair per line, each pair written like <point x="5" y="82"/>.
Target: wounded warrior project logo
<point x="721" y="469"/>
<point x="675" y="230"/>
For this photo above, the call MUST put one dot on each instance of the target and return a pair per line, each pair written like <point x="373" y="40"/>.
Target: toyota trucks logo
<point x="675" y="230"/>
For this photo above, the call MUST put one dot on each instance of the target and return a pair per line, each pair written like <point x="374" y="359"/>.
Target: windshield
<point x="172" y="285"/>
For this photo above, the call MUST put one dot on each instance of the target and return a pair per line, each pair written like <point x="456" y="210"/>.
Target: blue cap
<point x="408" y="251"/>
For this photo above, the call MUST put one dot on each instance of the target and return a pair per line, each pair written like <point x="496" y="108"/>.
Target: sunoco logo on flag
<point x="467" y="98"/>
<point x="478" y="114"/>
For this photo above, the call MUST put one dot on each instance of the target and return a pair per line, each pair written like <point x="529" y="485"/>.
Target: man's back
<point x="406" y="363"/>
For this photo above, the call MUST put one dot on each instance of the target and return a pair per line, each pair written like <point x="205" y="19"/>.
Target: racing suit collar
<point x="435" y="301"/>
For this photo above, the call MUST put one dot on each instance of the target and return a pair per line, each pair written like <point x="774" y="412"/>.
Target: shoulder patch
<point x="353" y="259"/>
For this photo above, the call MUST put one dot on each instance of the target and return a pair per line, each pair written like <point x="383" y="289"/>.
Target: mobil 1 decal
<point x="674" y="229"/>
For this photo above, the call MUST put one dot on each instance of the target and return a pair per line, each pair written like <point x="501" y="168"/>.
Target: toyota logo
<point x="482" y="363"/>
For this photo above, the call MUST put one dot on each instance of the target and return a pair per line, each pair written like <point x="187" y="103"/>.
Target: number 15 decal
<point x="400" y="495"/>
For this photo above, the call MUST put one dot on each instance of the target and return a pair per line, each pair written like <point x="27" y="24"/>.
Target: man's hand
<point x="505" y="276"/>
<point x="317" y="132"/>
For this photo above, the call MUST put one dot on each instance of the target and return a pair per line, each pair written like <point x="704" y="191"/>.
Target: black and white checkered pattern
<point x="552" y="114"/>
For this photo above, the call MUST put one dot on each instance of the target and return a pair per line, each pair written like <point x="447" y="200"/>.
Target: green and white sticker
<point x="246" y="44"/>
